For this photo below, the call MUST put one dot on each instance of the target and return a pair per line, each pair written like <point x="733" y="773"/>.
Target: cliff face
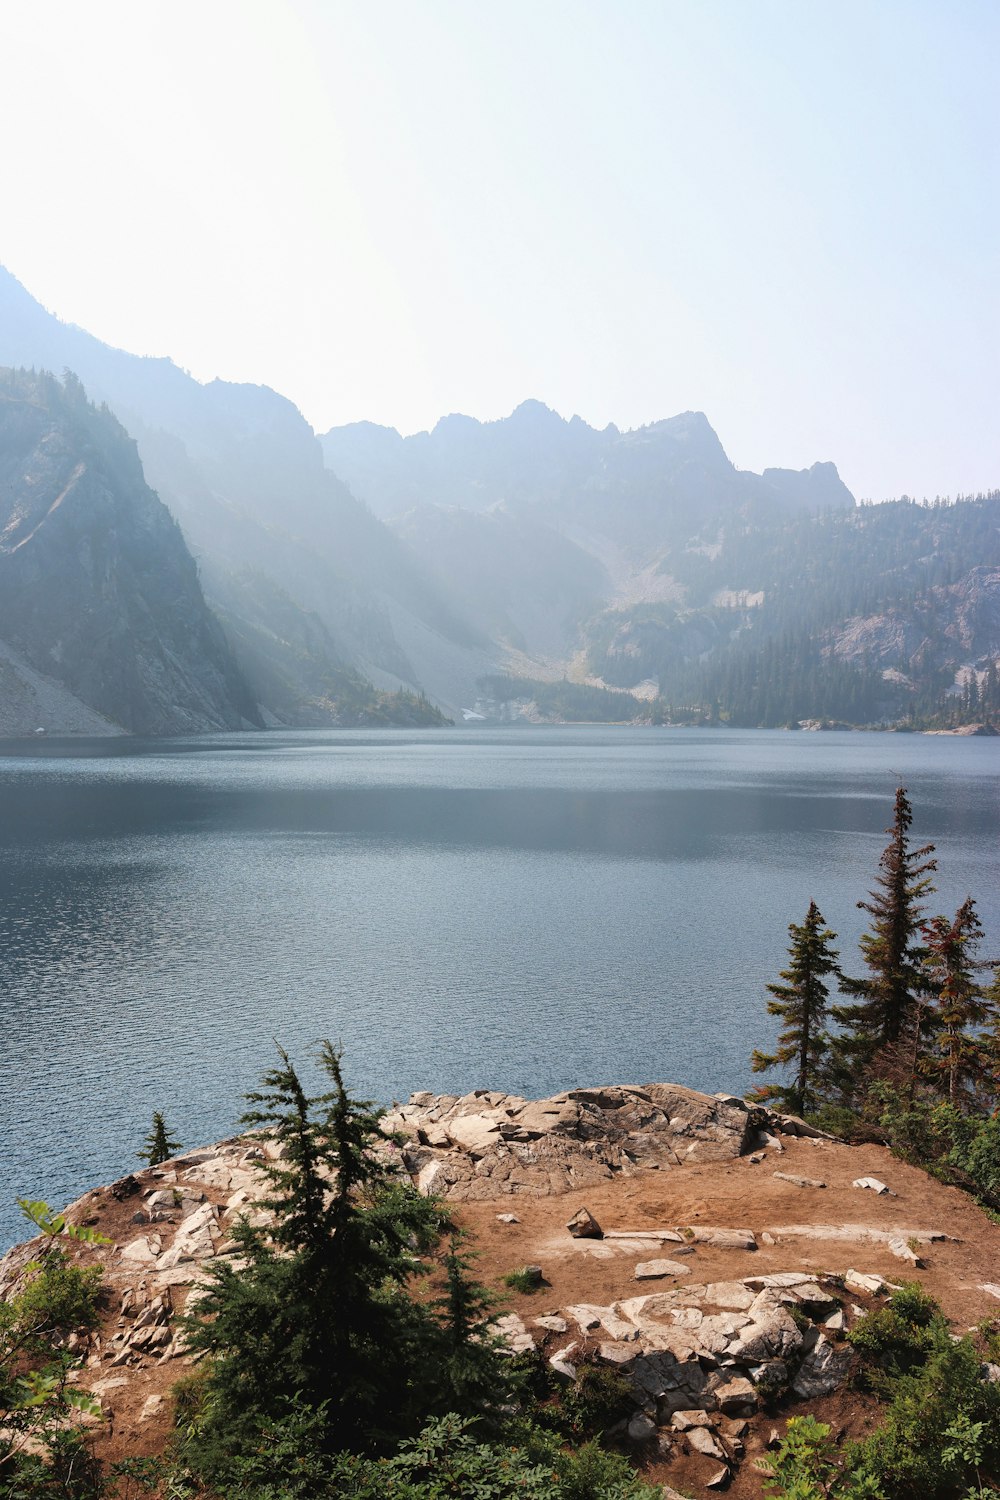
<point x="243" y="473"/>
<point x="97" y="589"/>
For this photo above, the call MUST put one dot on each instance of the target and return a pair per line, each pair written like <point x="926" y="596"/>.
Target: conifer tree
<point x="801" y="1003"/>
<point x="158" y="1145"/>
<point x="473" y="1374"/>
<point x="960" y="1055"/>
<point x="318" y="1310"/>
<point x="887" y="1012"/>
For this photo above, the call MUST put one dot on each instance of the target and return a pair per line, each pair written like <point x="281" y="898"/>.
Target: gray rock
<point x="722" y="1239"/>
<point x="583" y="1226"/>
<point x="703" y="1440"/>
<point x="802" y="1182"/>
<point x="729" y="1294"/>
<point x="584" y="1315"/>
<point x="871" y="1283"/>
<point x="872" y="1183"/>
<point x="513" y="1334"/>
<point x="613" y="1353"/>
<point x="902" y="1251"/>
<point x="776" y="1336"/>
<point x="641" y="1428"/>
<point x="822" y="1371"/>
<point x="562" y="1364"/>
<point x="653" y="1270"/>
<point x="737" y="1397"/>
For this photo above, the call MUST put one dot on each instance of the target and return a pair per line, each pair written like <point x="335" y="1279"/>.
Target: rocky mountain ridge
<point x="642" y="562"/>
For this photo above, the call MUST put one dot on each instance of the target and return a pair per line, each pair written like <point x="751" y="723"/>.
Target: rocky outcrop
<point x="702" y="1359"/>
<point x="709" y="1331"/>
<point x="97" y="589"/>
<point x="486" y="1143"/>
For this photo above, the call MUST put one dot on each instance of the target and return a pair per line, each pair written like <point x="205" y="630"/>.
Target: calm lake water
<point x="520" y="908"/>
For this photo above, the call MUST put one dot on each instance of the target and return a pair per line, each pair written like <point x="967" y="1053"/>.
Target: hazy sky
<point x="782" y="212"/>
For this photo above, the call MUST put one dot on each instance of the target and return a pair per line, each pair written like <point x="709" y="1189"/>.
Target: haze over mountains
<point x="347" y="567"/>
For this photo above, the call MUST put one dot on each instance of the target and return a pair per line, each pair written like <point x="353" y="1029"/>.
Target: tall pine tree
<point x="317" y="1306"/>
<point x="801" y="1003"/>
<point x="959" y="1057"/>
<point x="881" y="1029"/>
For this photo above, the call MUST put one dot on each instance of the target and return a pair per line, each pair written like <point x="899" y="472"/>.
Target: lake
<point x="518" y="908"/>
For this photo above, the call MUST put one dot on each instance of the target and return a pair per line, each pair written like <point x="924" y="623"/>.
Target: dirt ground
<point x="737" y="1193"/>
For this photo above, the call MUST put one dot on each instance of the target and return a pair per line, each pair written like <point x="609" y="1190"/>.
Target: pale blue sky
<point x="782" y="212"/>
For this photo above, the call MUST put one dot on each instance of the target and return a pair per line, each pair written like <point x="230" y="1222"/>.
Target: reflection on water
<point x="526" y="909"/>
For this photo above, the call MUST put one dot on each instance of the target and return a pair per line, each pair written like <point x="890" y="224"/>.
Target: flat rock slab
<point x="651" y="1270"/>
<point x="734" y="1295"/>
<point x="644" y="1234"/>
<point x="862" y="1233"/>
<point x="873" y="1184"/>
<point x="902" y="1251"/>
<point x="721" y="1239"/>
<point x="868" y="1282"/>
<point x="802" y="1182"/>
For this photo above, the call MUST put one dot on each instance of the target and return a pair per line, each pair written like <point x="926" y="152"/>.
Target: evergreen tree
<point x="472" y="1371"/>
<point x="801" y="1003"/>
<point x="158" y="1145"/>
<point x="318" y="1310"/>
<point x="882" y="1027"/>
<point x="960" y="1056"/>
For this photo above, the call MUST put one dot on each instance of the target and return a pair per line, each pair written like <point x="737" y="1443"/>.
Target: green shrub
<point x="446" y="1459"/>
<point x="60" y="1298"/>
<point x="976" y="1152"/>
<point x="600" y="1397"/>
<point x="897" y="1338"/>
<point x="941" y="1434"/>
<point x="806" y="1466"/>
<point x="522" y="1280"/>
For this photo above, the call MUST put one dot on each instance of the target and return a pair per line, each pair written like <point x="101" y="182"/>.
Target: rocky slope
<point x="97" y="589"/>
<point x="711" y="1252"/>
<point x="31" y="703"/>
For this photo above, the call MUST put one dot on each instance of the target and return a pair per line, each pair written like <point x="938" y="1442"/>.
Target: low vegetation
<point x="939" y="1437"/>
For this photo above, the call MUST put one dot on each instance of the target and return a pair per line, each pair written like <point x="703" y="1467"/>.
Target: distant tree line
<point x="771" y="662"/>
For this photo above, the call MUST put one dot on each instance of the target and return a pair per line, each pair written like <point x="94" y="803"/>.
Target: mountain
<point x="242" y="472"/>
<point x="355" y="572"/>
<point x="98" y="593"/>
<point x="543" y="526"/>
<point x="646" y="562"/>
<point x="669" y="473"/>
